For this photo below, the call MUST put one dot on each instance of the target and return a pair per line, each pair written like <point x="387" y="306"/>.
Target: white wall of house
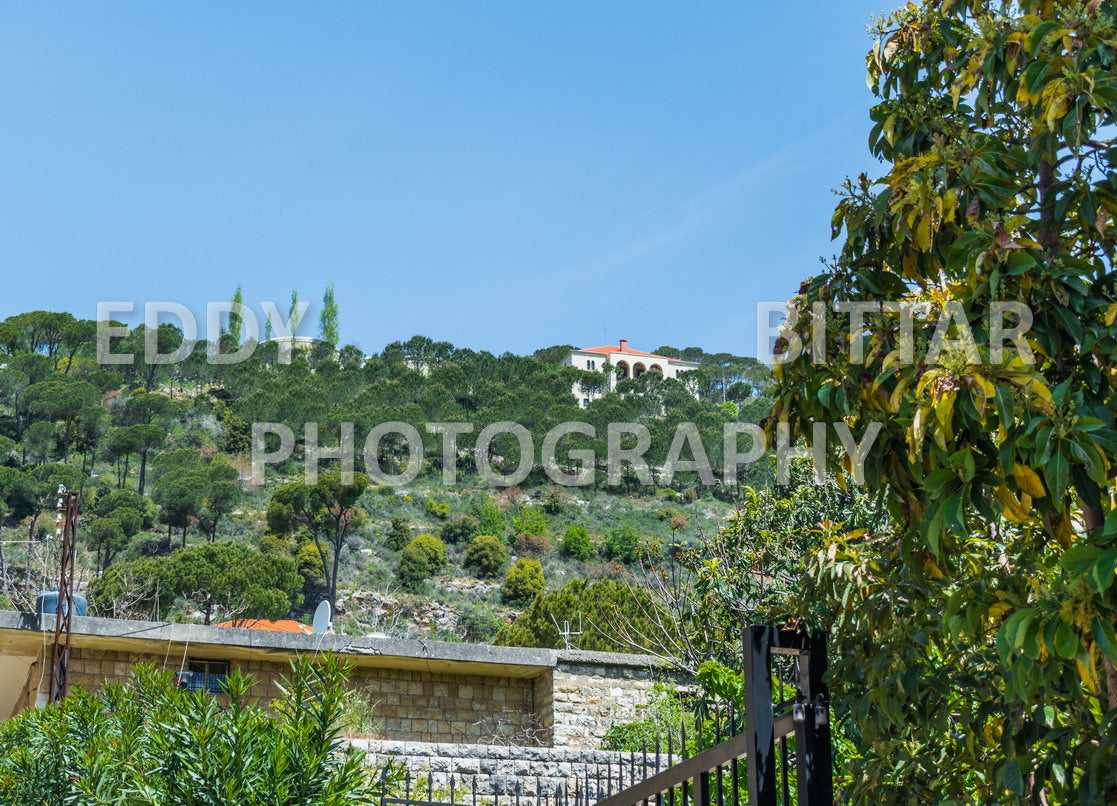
<point x="626" y="364"/>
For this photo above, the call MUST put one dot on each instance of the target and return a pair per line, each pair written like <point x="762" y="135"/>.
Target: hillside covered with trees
<point x="173" y="527"/>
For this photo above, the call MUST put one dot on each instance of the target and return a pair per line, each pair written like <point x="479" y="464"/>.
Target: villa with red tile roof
<point x="626" y="363"/>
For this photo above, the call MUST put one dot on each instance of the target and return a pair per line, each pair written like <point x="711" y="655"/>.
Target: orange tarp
<point x="284" y="625"/>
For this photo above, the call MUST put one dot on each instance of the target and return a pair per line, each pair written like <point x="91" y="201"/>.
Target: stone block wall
<point x="406" y="705"/>
<point x="571" y="705"/>
<point x="589" y="697"/>
<point x="510" y="770"/>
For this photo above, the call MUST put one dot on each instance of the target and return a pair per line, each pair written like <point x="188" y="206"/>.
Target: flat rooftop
<point x="25" y="634"/>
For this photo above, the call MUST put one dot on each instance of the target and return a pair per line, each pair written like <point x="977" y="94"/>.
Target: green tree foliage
<point x="150" y="742"/>
<point x="293" y="312"/>
<point x="327" y="509"/>
<point x="421" y="559"/>
<point x="490" y="518"/>
<point x="399" y="534"/>
<point x="136" y="590"/>
<point x="106" y="537"/>
<point x="979" y="628"/>
<point x="576" y="543"/>
<point x="459" y="530"/>
<point x="554" y="355"/>
<point x="598" y="609"/>
<point x="187" y="487"/>
<point x="486" y="556"/>
<point x="622" y="543"/>
<point x="236" y="319"/>
<point x="528" y="520"/>
<point x="523" y="582"/>
<point x="328" y="327"/>
<point x="437" y="509"/>
<point x="232" y="579"/>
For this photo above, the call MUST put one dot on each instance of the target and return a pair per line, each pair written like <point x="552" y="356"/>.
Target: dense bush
<point x="486" y="556"/>
<point x="523" y="583"/>
<point x="622" y="544"/>
<point x="576" y="543"/>
<point x="553" y="499"/>
<point x="490" y="518"/>
<point x="459" y="530"/>
<point x="532" y="545"/>
<point x="611" y="616"/>
<point x="219" y="580"/>
<point x="437" y="509"/>
<point x="531" y="521"/>
<point x="399" y="533"/>
<point x="420" y="560"/>
<point x="149" y="742"/>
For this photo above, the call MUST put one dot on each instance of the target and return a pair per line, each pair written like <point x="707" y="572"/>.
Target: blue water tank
<point x="47" y="602"/>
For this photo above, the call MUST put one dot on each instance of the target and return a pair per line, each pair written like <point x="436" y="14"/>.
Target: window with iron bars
<point x="204" y="675"/>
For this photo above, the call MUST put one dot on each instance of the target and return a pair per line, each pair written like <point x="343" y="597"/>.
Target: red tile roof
<point x="626" y="351"/>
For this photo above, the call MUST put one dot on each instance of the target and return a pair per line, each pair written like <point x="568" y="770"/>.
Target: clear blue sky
<point x="502" y="175"/>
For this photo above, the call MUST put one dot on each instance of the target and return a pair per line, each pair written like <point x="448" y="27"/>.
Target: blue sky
<point x="502" y="175"/>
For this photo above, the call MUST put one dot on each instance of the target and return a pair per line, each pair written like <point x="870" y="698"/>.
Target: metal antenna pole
<point x="67" y="524"/>
<point x="565" y="630"/>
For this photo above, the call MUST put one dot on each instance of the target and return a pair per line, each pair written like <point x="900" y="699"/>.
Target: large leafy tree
<point x="327" y="509"/>
<point x="976" y="639"/>
<point x="233" y="580"/>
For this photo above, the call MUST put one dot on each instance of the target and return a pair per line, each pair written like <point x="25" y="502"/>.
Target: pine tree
<point x="327" y="321"/>
<point x="293" y="312"/>
<point x="236" y="322"/>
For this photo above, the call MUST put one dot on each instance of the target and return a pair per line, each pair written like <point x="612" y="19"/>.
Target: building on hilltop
<point x="626" y="363"/>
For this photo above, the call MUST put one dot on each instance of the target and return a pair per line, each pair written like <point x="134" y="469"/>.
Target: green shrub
<point x="139" y="743"/>
<point x="530" y="521"/>
<point x="665" y="713"/>
<point x="622" y="544"/>
<point x="490" y="518"/>
<point x="399" y="533"/>
<point x="437" y="509"/>
<point x="523" y="583"/>
<point x="421" y="559"/>
<point x="601" y="610"/>
<point x="480" y="622"/>
<point x="576" y="543"/>
<point x="459" y="530"/>
<point x="553" y="500"/>
<point x="486" y="556"/>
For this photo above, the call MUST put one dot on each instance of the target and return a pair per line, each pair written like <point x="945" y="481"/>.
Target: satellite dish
<point x="321" y="623"/>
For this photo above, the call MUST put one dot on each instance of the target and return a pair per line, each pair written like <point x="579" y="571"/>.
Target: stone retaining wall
<point x="509" y="770"/>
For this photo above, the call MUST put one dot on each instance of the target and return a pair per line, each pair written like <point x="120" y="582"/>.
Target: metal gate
<point x="780" y="756"/>
<point x="784" y="749"/>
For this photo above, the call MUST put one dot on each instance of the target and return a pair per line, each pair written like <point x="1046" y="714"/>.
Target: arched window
<point x="638" y="370"/>
<point x="656" y="368"/>
<point x="622" y="370"/>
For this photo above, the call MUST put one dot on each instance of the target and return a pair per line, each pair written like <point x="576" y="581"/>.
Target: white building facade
<point x="626" y="363"/>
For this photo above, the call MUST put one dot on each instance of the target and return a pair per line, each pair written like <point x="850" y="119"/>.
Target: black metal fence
<point x="778" y="754"/>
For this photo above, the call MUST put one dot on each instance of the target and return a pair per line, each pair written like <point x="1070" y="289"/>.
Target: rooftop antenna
<point x="565" y="630"/>
<point x="322" y="615"/>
